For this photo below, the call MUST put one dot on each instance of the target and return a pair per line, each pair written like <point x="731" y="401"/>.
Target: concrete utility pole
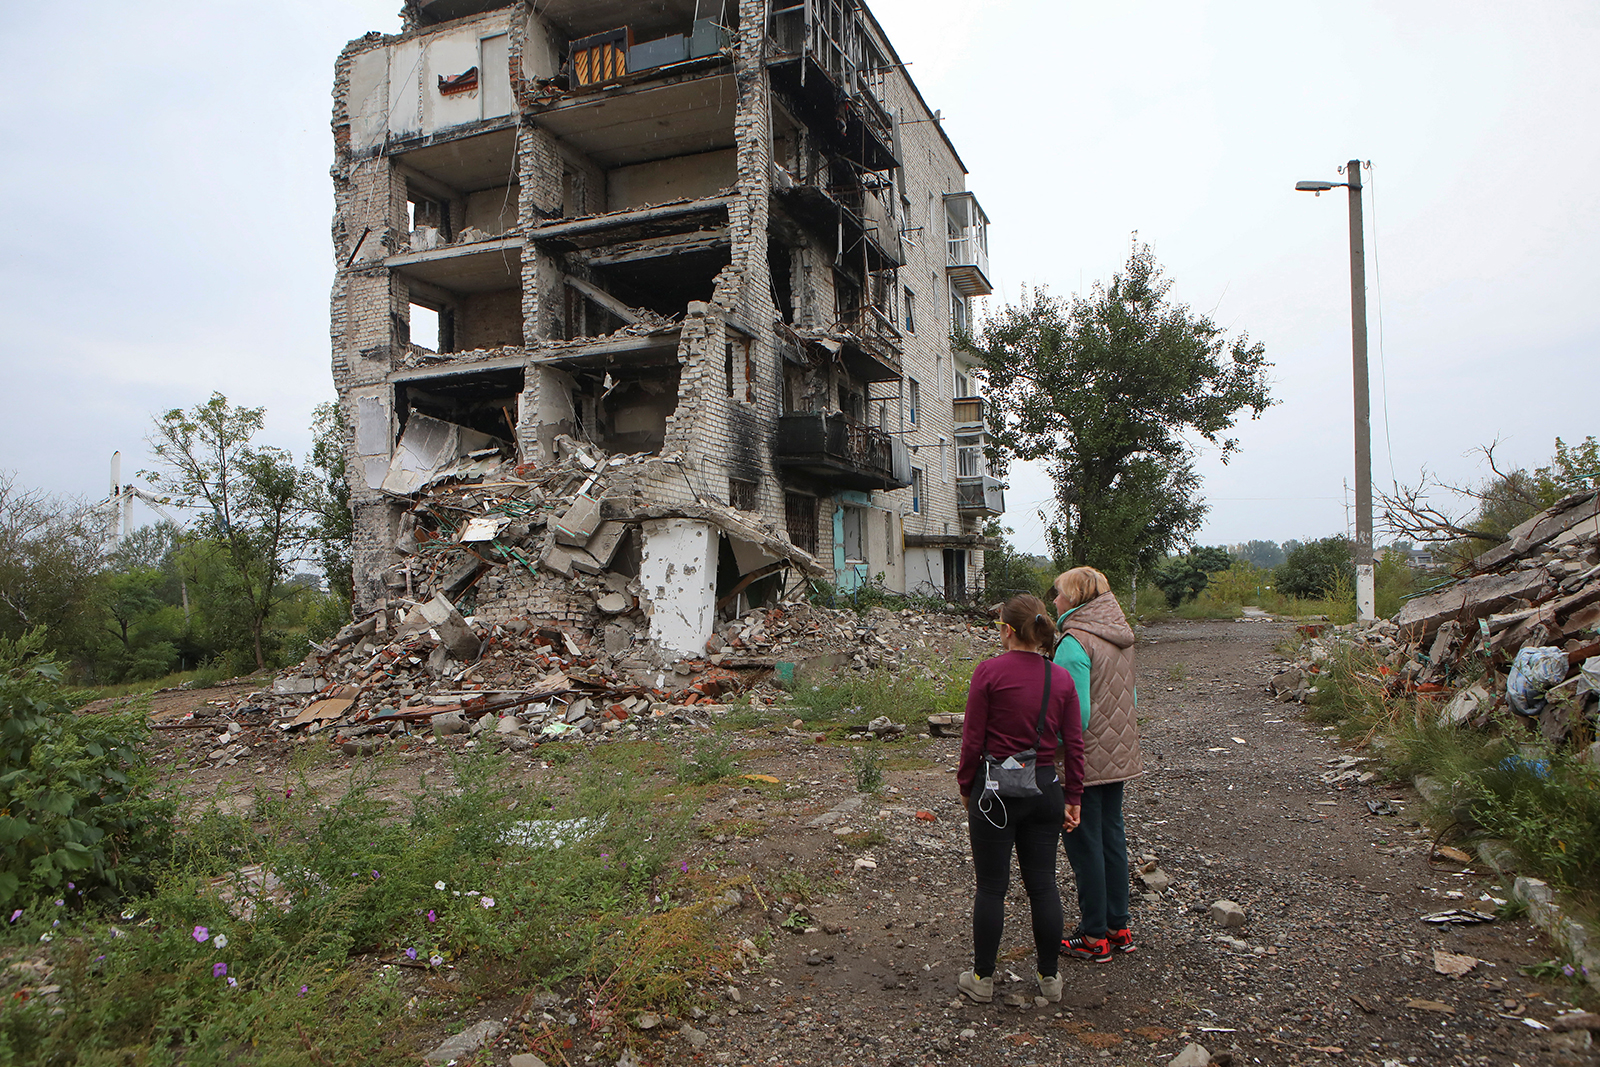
<point x="1366" y="591"/>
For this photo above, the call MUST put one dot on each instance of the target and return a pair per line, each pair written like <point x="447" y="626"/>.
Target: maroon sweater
<point x="1003" y="711"/>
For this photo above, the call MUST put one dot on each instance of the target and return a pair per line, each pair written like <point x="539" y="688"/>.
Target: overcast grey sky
<point x="168" y="178"/>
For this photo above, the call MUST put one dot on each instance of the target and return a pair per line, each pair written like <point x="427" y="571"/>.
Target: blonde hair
<point x="1081" y="585"/>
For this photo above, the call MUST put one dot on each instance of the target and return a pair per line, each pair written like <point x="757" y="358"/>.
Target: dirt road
<point x="1333" y="964"/>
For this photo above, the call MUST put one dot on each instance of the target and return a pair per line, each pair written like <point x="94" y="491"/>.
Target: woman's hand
<point x="1073" y="817"/>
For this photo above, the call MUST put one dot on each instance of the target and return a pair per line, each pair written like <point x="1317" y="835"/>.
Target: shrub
<point x="1313" y="569"/>
<point x="73" y="806"/>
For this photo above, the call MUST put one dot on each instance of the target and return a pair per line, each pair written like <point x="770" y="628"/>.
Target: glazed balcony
<point x="980" y="495"/>
<point x="967" y="245"/>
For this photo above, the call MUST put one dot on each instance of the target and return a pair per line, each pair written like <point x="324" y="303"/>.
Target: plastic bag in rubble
<point x="1533" y="672"/>
<point x="1589" y="677"/>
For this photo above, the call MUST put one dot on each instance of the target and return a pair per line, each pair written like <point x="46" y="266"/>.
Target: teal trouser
<point x="1098" y="852"/>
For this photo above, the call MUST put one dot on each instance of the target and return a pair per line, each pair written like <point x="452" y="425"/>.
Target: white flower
<point x="472" y="893"/>
<point x="47" y="936"/>
<point x="434" y="961"/>
<point x="221" y="940"/>
<point x="487" y="902"/>
<point x="439" y="884"/>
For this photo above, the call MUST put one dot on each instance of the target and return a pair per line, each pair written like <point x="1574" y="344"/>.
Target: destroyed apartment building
<point x="643" y="313"/>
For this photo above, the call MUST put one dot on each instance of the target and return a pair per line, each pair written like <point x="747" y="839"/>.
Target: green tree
<point x="252" y="510"/>
<point x="1007" y="572"/>
<point x="1572" y="469"/>
<point x="1315" y="568"/>
<point x="1182" y="577"/>
<point x="1264" y="554"/>
<point x="332" y="523"/>
<point x="1106" y="390"/>
<point x="51" y="552"/>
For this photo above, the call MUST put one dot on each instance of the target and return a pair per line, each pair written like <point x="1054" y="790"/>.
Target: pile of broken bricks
<point x="1524" y="614"/>
<point x="426" y="668"/>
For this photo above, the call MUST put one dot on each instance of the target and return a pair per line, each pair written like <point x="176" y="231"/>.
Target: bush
<point x="1313" y="569"/>
<point x="74" y="816"/>
<point x="1182" y="577"/>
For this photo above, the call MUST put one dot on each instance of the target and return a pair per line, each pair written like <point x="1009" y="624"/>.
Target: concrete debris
<point x="1533" y="598"/>
<point x="1227" y="914"/>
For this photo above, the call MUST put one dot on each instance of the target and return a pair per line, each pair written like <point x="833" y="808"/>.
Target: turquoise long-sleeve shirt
<point x="1071" y="655"/>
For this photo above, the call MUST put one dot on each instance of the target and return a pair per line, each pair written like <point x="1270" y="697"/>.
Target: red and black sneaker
<point x="1080" y="946"/>
<point x="1121" y="940"/>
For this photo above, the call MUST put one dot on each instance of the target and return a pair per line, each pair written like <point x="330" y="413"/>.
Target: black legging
<point x="1033" y="826"/>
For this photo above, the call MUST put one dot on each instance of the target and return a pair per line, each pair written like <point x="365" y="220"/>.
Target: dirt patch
<point x="861" y="905"/>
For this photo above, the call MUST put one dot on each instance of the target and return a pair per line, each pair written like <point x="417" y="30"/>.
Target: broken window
<point x="916" y="489"/>
<point x="744" y="495"/>
<point x="780" y="264"/>
<point x="855" y="534"/>
<point x="428" y="222"/>
<point x="800" y="520"/>
<point x="911" y="311"/>
<point x="955" y="574"/>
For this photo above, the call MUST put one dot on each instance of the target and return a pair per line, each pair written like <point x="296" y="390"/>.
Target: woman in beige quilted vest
<point x="1096" y="648"/>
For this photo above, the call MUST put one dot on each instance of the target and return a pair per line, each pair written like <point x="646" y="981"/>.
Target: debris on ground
<point x="1516" y="629"/>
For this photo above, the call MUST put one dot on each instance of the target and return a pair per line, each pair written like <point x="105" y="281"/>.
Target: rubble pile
<point x="425" y="668"/>
<point x="1517" y="629"/>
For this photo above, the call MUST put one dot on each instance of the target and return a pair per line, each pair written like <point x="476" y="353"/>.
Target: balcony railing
<point x="838" y="450"/>
<point x="967" y="244"/>
<point x="982" y="495"/>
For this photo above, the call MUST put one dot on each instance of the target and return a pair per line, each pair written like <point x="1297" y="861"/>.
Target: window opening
<point x="969" y="457"/>
<point x="913" y="398"/>
<point x="800" y="520"/>
<point x="963" y="382"/>
<point x="744" y="495"/>
<point x="911" y="311"/>
<point x="958" y="311"/>
<point x="916" y="489"/>
<point x="424" y="327"/>
<point x="855" y="534"/>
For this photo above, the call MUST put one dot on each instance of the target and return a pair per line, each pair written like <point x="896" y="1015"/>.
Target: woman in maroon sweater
<point x="1003" y="706"/>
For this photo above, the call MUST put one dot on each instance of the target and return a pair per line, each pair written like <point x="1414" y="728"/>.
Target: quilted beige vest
<point x="1111" y="742"/>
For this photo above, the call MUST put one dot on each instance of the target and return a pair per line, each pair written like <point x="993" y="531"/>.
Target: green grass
<point x="905" y="696"/>
<point x="310" y="978"/>
<point x="1505" y="782"/>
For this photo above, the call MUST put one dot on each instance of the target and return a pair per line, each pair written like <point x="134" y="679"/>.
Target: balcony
<point x="821" y="57"/>
<point x="970" y="415"/>
<point x="967" y="245"/>
<point x="840" y="452"/>
<point x="980" y="495"/>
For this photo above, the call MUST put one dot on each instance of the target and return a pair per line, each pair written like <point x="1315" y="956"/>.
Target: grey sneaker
<point x="1050" y="988"/>
<point x="981" y="990"/>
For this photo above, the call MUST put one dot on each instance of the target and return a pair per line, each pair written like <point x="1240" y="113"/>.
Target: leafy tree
<point x="1106" y="389"/>
<point x="1182" y="577"/>
<point x="1315" y="568"/>
<point x="1007" y="572"/>
<point x="252" y="510"/>
<point x="1572" y="469"/>
<point x="50" y="554"/>
<point x="1264" y="554"/>
<point x="332" y="523"/>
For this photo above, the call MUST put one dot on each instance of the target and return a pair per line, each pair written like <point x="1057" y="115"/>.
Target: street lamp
<point x="1366" y="600"/>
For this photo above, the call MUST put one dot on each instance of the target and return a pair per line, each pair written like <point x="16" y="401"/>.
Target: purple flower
<point x="431" y="916"/>
<point x="1568" y="971"/>
<point x="16" y="915"/>
<point x="218" y="970"/>
<point x="71" y="886"/>
<point x="411" y="953"/>
<point x="61" y="903"/>
<point x="376" y="875"/>
<point x="303" y="990"/>
<point x="434" y="961"/>
<point x="201" y="933"/>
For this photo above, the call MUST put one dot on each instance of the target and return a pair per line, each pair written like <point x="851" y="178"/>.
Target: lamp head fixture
<point x="1318" y="187"/>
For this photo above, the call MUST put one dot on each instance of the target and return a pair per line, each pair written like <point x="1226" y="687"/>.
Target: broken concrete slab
<point x="1464" y="706"/>
<point x="469" y="1040"/>
<point x="1472" y="599"/>
<point x="578" y="523"/>
<point x="294" y="685"/>
<point x="1542" y="528"/>
<point x="442" y="617"/>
